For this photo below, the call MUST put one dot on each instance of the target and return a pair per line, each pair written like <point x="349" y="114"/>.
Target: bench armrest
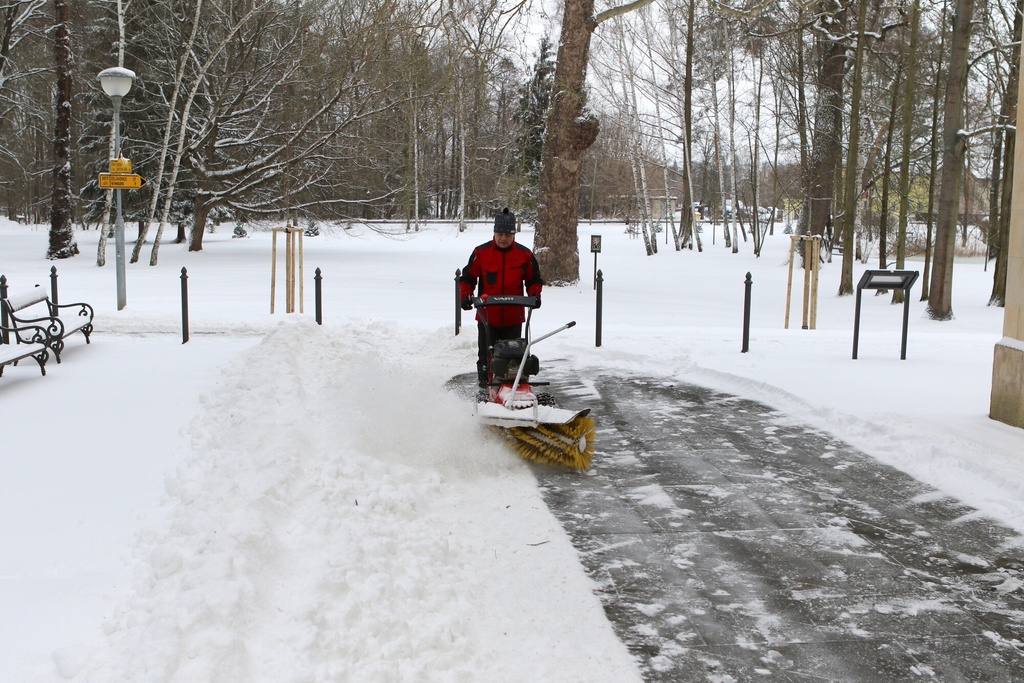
<point x="81" y="309"/>
<point x="30" y="334"/>
<point x="54" y="326"/>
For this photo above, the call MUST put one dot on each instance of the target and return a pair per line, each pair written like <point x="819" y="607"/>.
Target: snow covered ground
<point x="280" y="501"/>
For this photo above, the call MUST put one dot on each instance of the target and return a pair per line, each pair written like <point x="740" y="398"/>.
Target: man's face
<point x="504" y="239"/>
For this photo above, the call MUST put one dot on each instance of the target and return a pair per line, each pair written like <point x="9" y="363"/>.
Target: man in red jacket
<point x="499" y="267"/>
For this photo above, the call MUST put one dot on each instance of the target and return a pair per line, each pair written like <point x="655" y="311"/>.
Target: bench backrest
<point x="24" y="300"/>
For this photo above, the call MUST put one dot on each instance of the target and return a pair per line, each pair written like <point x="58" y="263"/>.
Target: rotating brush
<point x="568" y="445"/>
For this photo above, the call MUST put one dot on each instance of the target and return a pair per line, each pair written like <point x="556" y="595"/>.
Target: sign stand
<point x="885" y="279"/>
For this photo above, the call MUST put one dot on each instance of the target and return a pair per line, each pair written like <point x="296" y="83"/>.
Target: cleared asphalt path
<point x="730" y="545"/>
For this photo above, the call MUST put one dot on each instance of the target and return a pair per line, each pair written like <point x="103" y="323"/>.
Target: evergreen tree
<point x="531" y="120"/>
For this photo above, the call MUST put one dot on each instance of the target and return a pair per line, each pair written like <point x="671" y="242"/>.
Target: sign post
<point x="885" y="279"/>
<point x="595" y="249"/>
<point x="121" y="181"/>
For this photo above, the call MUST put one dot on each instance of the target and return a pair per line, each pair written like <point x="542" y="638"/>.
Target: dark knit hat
<point x="505" y="222"/>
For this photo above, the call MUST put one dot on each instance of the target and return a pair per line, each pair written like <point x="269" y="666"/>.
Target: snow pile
<point x="339" y="520"/>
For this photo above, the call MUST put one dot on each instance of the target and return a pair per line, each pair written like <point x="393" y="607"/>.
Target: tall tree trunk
<point x="462" y="168"/>
<point x="719" y="162"/>
<point x="995" y="185"/>
<point x="907" y="139"/>
<point x="826" y="138"/>
<point x="571" y="130"/>
<point x="637" y="149"/>
<point x="415" y="159"/>
<point x="801" y="105"/>
<point x="755" y="161"/>
<point x="688" y="228"/>
<point x="954" y="144"/>
<point x="1008" y="113"/>
<point x="688" y="133"/>
<point x="733" y="189"/>
<point x="62" y="235"/>
<point x="998" y="297"/>
<point x="660" y="132"/>
<point x="200" y="212"/>
<point x="886" y="176"/>
<point x="650" y="244"/>
<point x="851" y="191"/>
<point x="933" y="164"/>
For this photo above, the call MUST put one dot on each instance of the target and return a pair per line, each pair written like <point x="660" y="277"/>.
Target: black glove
<point x="467" y="304"/>
<point x="537" y="299"/>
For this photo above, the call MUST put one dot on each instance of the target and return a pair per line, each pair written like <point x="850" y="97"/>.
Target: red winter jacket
<point x="501" y="272"/>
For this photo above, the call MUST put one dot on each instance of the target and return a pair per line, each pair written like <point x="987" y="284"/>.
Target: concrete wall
<point x="1007" y="404"/>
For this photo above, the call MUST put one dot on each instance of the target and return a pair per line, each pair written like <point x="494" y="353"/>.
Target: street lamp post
<point x="116" y="83"/>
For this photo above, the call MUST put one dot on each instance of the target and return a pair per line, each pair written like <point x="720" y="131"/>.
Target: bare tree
<point x="940" y="300"/>
<point x="909" y="92"/>
<point x="851" y="190"/>
<point x="172" y="113"/>
<point x="572" y="129"/>
<point x="826" y="149"/>
<point x="1006" y="136"/>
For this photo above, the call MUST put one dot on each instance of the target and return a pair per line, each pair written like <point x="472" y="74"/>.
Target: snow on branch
<point x="613" y="12"/>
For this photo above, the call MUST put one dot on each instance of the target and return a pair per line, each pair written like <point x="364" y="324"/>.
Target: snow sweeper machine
<point x="530" y="421"/>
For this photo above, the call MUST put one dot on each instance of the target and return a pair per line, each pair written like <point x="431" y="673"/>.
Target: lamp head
<point x="117" y="81"/>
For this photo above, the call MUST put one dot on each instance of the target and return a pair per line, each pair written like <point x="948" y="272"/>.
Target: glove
<point x="537" y="299"/>
<point x="467" y="304"/>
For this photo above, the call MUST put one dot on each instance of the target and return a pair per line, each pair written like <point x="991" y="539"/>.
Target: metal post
<point x="119" y="222"/>
<point x="856" y="324"/>
<point x="3" y="310"/>
<point x="458" y="304"/>
<point x="600" y="301"/>
<point x="789" y="283"/>
<point x="318" y="296"/>
<point x="273" y="270"/>
<point x="53" y="285"/>
<point x="906" y="323"/>
<point x="746" y="314"/>
<point x="184" y="306"/>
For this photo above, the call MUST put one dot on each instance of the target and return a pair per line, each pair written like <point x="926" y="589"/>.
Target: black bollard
<point x="746" y="314"/>
<point x="53" y="285"/>
<point x="184" y="306"/>
<point x="600" y="300"/>
<point x="458" y="304"/>
<point x="3" y="311"/>
<point x="318" y="292"/>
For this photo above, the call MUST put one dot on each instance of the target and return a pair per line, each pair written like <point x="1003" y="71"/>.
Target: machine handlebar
<point x="503" y="300"/>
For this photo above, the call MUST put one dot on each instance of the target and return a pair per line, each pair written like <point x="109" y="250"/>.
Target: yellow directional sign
<point x="121" y="181"/>
<point x="120" y="165"/>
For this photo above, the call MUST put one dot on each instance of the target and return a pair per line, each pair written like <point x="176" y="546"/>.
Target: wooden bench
<point x="58" y="320"/>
